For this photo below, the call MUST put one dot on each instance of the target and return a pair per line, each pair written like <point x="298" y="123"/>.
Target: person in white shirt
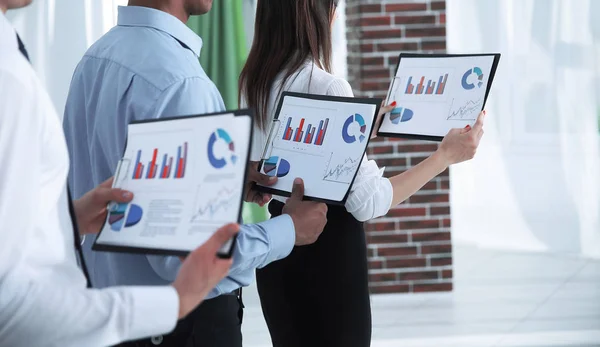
<point x="43" y="296"/>
<point x="319" y="295"/>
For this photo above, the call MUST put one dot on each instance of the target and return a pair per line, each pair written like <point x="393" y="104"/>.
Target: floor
<point x="500" y="299"/>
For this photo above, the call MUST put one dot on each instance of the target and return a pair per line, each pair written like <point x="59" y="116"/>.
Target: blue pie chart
<point x="362" y="127"/>
<point x="478" y="78"/>
<point x="116" y="217"/>
<point x="401" y="114"/>
<point x="220" y="162"/>
<point x="276" y="167"/>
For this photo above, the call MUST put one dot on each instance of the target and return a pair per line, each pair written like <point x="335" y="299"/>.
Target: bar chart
<point x="309" y="135"/>
<point x="151" y="170"/>
<point x="434" y="86"/>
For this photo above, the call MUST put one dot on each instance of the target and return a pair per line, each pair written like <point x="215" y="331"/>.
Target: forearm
<point x="409" y="182"/>
<point x="46" y="314"/>
<point x="258" y="245"/>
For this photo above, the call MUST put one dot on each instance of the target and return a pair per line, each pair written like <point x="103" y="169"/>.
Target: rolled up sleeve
<point x="257" y="246"/>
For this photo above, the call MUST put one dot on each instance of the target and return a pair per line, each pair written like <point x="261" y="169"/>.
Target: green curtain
<point x="223" y="56"/>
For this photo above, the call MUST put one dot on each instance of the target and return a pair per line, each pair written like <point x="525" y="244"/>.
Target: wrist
<point x="441" y="159"/>
<point x="180" y="312"/>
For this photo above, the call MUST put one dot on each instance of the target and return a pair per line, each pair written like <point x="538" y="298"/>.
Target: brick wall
<point x="409" y="249"/>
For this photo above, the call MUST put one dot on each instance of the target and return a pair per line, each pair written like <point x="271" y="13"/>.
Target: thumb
<point x="298" y="189"/>
<point x="107" y="184"/>
<point x="106" y="195"/>
<point x="387" y="109"/>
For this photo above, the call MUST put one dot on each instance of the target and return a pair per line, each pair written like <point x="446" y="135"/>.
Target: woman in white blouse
<point x="318" y="296"/>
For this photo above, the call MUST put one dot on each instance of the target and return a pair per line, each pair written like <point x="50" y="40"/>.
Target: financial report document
<point x="320" y="139"/>
<point x="435" y="93"/>
<point x="187" y="175"/>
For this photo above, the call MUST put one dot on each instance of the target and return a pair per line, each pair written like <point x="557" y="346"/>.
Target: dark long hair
<point x="286" y="34"/>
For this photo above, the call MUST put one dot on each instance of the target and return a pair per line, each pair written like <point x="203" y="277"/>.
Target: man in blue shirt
<point x="147" y="67"/>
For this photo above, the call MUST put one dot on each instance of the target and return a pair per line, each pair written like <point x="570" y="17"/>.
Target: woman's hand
<point x="382" y="111"/>
<point x="461" y="144"/>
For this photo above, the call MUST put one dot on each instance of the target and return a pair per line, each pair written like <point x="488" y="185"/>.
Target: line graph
<point x="216" y="209"/>
<point x="342" y="171"/>
<point x="467" y="112"/>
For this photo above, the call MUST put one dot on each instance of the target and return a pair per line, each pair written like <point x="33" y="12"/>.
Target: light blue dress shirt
<point x="144" y="68"/>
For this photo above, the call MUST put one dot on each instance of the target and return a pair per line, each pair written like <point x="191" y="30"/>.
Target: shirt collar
<point x="8" y="35"/>
<point x="151" y="18"/>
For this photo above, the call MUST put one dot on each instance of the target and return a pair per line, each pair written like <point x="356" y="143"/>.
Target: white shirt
<point x="43" y="296"/>
<point x="371" y="194"/>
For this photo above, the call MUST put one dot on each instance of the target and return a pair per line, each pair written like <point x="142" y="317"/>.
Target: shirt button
<point x="156" y="340"/>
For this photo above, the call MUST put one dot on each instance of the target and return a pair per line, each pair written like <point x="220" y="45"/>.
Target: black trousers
<point x="319" y="294"/>
<point x="215" y="323"/>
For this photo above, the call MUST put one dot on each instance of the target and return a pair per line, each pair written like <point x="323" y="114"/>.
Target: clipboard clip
<point x="119" y="178"/>
<point x="275" y="125"/>
<point x="393" y="87"/>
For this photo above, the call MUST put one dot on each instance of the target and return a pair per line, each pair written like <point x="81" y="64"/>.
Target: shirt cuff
<point x="282" y="237"/>
<point x="155" y="311"/>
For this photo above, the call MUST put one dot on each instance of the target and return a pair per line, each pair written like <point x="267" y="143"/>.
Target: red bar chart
<point x="287" y="135"/>
<point x="305" y="133"/>
<point x="166" y="171"/>
<point x="321" y="132"/>
<point x="442" y="85"/>
<point x="299" y="131"/>
<point x="430" y="87"/>
<point x="409" y="86"/>
<point x="434" y="86"/>
<point x="420" y="86"/>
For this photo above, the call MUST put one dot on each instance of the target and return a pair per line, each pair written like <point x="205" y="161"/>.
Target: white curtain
<point x="535" y="183"/>
<point x="340" y="44"/>
<point x="57" y="33"/>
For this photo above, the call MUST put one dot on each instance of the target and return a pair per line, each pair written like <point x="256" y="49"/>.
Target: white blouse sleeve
<point x="371" y="194"/>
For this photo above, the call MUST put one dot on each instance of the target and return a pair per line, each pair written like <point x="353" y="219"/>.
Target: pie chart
<point x="348" y="138"/>
<point x="478" y="78"/>
<point x="401" y="114"/>
<point x="116" y="217"/>
<point x="220" y="162"/>
<point x="276" y="167"/>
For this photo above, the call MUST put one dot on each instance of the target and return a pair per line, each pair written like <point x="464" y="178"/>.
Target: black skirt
<point x="319" y="294"/>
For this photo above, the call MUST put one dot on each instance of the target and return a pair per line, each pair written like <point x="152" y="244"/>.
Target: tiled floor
<point x="501" y="299"/>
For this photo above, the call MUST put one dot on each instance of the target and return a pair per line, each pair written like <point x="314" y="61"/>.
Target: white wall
<point x="535" y="183"/>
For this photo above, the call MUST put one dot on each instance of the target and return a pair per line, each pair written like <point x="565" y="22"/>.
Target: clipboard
<point x="307" y="132"/>
<point x="437" y="92"/>
<point x="190" y="185"/>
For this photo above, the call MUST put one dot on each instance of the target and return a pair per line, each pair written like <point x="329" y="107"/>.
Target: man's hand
<point x="309" y="217"/>
<point x="251" y="195"/>
<point x="202" y="269"/>
<point x="91" y="209"/>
